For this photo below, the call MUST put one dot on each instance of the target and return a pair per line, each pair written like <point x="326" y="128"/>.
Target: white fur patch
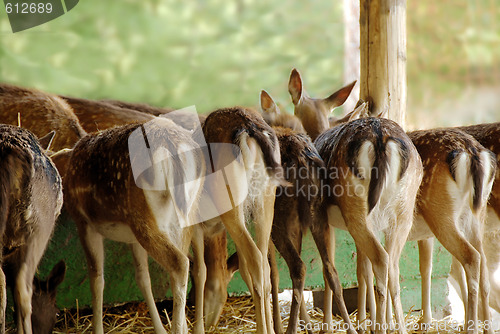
<point x="366" y="156"/>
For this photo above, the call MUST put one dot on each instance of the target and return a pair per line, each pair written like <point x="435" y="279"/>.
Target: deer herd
<point x="173" y="187"/>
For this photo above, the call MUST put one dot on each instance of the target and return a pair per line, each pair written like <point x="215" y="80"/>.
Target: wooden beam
<point x="383" y="57"/>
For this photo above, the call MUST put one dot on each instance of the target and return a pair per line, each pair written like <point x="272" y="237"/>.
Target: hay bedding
<point x="238" y="317"/>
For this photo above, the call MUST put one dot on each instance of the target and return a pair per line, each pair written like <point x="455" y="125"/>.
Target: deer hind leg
<point x="425" y="248"/>
<point x="160" y="247"/>
<point x="93" y="246"/>
<point x="275" y="282"/>
<point x="366" y="291"/>
<point x="200" y="277"/>
<point x="144" y="282"/>
<point x="395" y="241"/>
<point x="263" y="215"/>
<point x="321" y="235"/>
<point x="290" y="250"/>
<point x="33" y="251"/>
<point x="367" y="242"/>
<point x="443" y="227"/>
<point x="328" y="296"/>
<point x="251" y="262"/>
<point x="484" y="283"/>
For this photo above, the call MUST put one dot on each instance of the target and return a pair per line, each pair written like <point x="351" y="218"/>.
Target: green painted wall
<point x="120" y="281"/>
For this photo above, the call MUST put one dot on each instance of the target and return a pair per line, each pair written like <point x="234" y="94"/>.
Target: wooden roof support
<point x="383" y="57"/>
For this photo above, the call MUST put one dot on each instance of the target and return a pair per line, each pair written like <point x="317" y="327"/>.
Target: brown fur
<point x="40" y="113"/>
<point x="238" y="120"/>
<point x="314" y="112"/>
<point x="340" y="148"/>
<point x="30" y="202"/>
<point x="489" y="136"/>
<point x="100" y="189"/>
<point x="142" y="107"/>
<point x="294" y="208"/>
<point x="246" y="128"/>
<point x="458" y="226"/>
<point x="274" y="117"/>
<point x="180" y="119"/>
<point x="95" y="115"/>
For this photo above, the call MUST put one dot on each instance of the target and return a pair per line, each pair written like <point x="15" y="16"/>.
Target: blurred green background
<point x="218" y="53"/>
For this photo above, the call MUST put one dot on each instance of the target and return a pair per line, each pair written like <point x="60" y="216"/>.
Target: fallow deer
<point x="458" y="177"/>
<point x="297" y="155"/>
<point x="373" y="174"/>
<point x="40" y="113"/>
<point x="209" y="238"/>
<point x="95" y="115"/>
<point x="489" y="136"/>
<point x="30" y="202"/>
<point x="314" y="113"/>
<point x="294" y="206"/>
<point x="152" y="211"/>
<point x="261" y="159"/>
<point x="274" y="117"/>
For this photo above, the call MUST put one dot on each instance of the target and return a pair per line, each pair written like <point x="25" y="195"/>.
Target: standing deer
<point x="458" y="176"/>
<point x="489" y="136"/>
<point x="294" y="207"/>
<point x="211" y="271"/>
<point x="40" y="113"/>
<point x="152" y="211"/>
<point x="373" y="175"/>
<point x="261" y="161"/>
<point x="30" y="202"/>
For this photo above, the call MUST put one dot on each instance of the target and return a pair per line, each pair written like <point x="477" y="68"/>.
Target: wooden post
<point x="383" y="57"/>
<point x="351" y="52"/>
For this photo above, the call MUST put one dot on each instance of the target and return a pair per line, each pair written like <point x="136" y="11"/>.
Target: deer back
<point x="489" y="136"/>
<point x="235" y="125"/>
<point x="40" y="113"/>
<point x="301" y="168"/>
<point x="370" y="150"/>
<point x="100" y="176"/>
<point x="95" y="115"/>
<point x="142" y="107"/>
<point x="453" y="153"/>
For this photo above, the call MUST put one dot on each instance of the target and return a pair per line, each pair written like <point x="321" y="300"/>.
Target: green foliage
<point x="207" y="53"/>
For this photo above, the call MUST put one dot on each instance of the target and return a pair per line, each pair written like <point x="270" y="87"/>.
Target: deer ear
<point x="338" y="98"/>
<point x="267" y="103"/>
<point x="383" y="113"/>
<point x="56" y="275"/>
<point x="61" y="160"/>
<point x="46" y="140"/>
<point x="295" y="86"/>
<point x="361" y="111"/>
